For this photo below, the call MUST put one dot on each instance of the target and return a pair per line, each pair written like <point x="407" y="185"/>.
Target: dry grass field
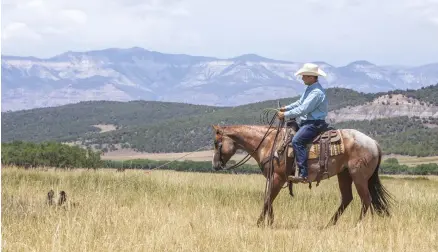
<point x="178" y="211"/>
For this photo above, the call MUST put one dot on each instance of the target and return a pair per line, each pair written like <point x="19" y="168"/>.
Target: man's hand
<point x="280" y="115"/>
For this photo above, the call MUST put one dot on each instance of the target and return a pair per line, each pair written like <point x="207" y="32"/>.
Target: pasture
<point x="182" y="211"/>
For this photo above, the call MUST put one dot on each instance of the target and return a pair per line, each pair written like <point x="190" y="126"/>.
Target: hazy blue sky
<point x="335" y="31"/>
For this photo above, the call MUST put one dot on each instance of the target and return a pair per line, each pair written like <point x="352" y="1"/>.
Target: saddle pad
<point x="336" y="148"/>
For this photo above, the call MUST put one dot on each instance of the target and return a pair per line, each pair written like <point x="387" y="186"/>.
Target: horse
<point x="359" y="164"/>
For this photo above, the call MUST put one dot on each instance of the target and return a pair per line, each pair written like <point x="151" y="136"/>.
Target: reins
<point x="270" y="176"/>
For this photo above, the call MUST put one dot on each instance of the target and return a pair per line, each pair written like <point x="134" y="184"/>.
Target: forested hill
<point x="68" y="122"/>
<point x="71" y="121"/>
<point x="173" y="127"/>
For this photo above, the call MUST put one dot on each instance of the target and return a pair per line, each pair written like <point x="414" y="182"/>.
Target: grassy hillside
<point x="176" y="127"/>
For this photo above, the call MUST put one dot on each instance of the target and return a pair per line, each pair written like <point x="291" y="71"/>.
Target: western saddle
<point x="321" y="142"/>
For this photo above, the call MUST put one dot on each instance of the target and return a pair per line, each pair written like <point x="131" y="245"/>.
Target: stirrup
<point x="298" y="179"/>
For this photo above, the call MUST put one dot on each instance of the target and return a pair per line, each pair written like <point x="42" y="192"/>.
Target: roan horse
<point x="359" y="163"/>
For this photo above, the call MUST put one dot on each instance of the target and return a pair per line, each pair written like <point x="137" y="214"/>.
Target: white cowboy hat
<point x="310" y="69"/>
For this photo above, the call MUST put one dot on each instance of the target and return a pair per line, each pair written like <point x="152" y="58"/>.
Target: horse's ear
<point x="215" y="127"/>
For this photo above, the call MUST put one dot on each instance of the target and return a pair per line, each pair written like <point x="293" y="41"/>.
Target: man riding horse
<point x="312" y="109"/>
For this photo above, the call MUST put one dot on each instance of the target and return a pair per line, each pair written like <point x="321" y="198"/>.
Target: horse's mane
<point x="262" y="128"/>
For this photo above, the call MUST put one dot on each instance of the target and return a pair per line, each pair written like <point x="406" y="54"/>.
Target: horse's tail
<point x="381" y="199"/>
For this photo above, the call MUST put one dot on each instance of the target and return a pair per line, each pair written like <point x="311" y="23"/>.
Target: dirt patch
<point x="105" y="127"/>
<point x="386" y="106"/>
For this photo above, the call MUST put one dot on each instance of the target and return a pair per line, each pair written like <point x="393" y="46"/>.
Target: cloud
<point x="82" y="25"/>
<point x="426" y="10"/>
<point x="18" y="30"/>
<point x="337" y="31"/>
<point x="77" y="16"/>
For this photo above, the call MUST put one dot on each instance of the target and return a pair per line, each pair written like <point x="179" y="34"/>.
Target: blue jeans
<point x="307" y="132"/>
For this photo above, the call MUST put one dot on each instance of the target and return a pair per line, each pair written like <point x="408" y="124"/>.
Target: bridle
<point x="241" y="162"/>
<point x="219" y="144"/>
<point x="219" y="150"/>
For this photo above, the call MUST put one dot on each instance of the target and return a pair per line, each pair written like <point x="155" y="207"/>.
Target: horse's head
<point x="224" y="148"/>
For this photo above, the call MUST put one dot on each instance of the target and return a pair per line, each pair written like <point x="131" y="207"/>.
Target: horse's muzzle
<point x="218" y="165"/>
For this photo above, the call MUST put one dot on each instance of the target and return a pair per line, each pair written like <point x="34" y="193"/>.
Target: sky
<point x="401" y="32"/>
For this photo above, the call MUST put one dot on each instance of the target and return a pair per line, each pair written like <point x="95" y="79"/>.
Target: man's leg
<point x="304" y="136"/>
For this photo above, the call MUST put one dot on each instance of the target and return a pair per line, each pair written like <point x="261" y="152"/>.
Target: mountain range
<point x="139" y="74"/>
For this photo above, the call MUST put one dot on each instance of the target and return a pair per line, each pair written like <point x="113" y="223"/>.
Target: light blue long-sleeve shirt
<point x="312" y="105"/>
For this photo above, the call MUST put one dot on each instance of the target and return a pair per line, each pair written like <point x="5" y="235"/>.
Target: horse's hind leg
<point x="345" y="181"/>
<point x="361" y="184"/>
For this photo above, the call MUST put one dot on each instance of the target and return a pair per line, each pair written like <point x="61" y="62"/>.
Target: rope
<point x="270" y="176"/>
<point x="178" y="158"/>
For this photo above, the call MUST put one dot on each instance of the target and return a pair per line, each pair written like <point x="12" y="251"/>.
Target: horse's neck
<point x="248" y="138"/>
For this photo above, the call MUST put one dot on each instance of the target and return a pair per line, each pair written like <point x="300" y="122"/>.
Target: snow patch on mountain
<point x="136" y="73"/>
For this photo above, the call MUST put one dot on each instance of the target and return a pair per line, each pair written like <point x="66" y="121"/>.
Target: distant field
<point x="207" y="156"/>
<point x="182" y="211"/>
<point x="412" y="161"/>
<point x="195" y="156"/>
<point x="105" y="127"/>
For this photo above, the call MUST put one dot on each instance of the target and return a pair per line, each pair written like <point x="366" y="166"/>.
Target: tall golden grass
<point x="172" y="211"/>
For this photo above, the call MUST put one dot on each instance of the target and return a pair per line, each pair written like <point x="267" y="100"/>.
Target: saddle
<point x="332" y="134"/>
<point x="328" y="143"/>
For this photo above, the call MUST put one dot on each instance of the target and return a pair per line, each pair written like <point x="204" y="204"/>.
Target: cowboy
<point x="312" y="108"/>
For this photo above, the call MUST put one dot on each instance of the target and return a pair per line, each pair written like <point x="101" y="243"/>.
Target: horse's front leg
<point x="278" y="182"/>
<point x="261" y="218"/>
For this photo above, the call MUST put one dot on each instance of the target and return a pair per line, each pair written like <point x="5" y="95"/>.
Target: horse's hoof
<point x="322" y="228"/>
<point x="259" y="223"/>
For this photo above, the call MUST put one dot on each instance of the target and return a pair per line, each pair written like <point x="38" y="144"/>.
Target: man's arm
<point x="312" y="101"/>
<point x="292" y="105"/>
